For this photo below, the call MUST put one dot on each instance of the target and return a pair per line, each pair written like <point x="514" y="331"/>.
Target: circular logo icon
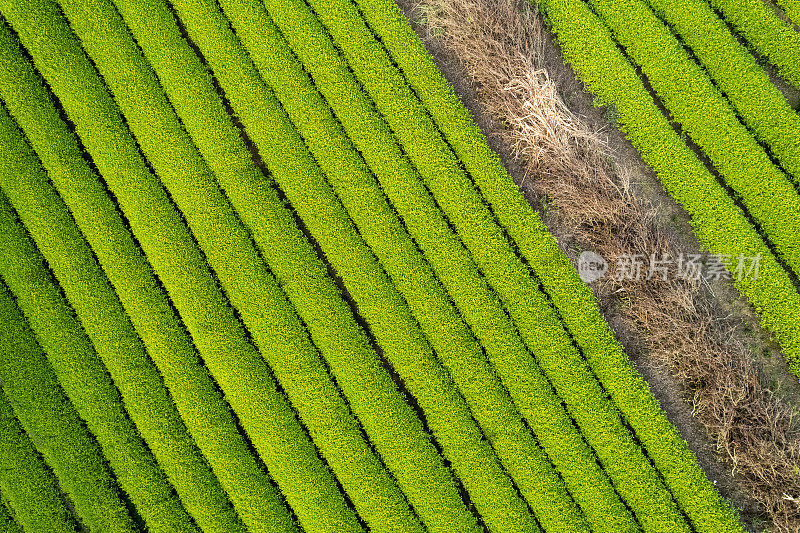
<point x="591" y="266"/>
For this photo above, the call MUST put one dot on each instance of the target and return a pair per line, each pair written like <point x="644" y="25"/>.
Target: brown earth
<point x="718" y="376"/>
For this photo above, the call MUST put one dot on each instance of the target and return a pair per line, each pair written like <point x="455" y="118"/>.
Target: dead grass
<point x="500" y="43"/>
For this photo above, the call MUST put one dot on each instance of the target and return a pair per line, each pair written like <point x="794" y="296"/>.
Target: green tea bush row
<point x="686" y="91"/>
<point x="237" y="366"/>
<point x="7" y="522"/>
<point x="276" y="329"/>
<point x="119" y="346"/>
<point x="769" y="36"/>
<point x="120" y="350"/>
<point x="387" y="314"/>
<point x="449" y="336"/>
<point x="201" y="406"/>
<point x="481" y="309"/>
<point x="596" y="417"/>
<point x="388" y="420"/>
<point x="791" y="9"/>
<point x="27" y="484"/>
<point x="553" y="506"/>
<point x="737" y="74"/>
<point x="459" y="274"/>
<point x="31" y="384"/>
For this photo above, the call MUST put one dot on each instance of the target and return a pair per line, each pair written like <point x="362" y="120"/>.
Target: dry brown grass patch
<point x="500" y="43"/>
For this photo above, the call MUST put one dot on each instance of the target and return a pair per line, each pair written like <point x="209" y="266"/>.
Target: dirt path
<point x="719" y="378"/>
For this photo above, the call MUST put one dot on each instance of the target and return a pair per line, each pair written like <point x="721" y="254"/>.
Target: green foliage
<point x="39" y="401"/>
<point x="147" y="485"/>
<point x="540" y="327"/>
<point x="792" y="9"/>
<point x="237" y="366"/>
<point x="378" y="300"/>
<point x="737" y="74"/>
<point x="205" y="412"/>
<point x="121" y="350"/>
<point x="770" y="36"/>
<point x="373" y="139"/>
<point x="450" y="338"/>
<point x="276" y="329"/>
<point x="25" y="480"/>
<point x="387" y="419"/>
<point x="7" y="522"/>
<point x="708" y="118"/>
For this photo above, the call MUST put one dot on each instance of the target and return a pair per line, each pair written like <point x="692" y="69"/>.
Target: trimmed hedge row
<point x="123" y="353"/>
<point x="769" y="36"/>
<point x="596" y="417"/>
<point x="202" y="407"/>
<point x="242" y="374"/>
<point x="764" y="109"/>
<point x="480" y="308"/>
<point x="791" y="9"/>
<point x="34" y="390"/>
<point x="383" y="308"/>
<point x="553" y="506"/>
<point x="27" y="484"/>
<point x="591" y="50"/>
<point x="450" y="338"/>
<point x="388" y="420"/>
<point x="707" y="117"/>
<point x="276" y="329"/>
<point x="7" y="522"/>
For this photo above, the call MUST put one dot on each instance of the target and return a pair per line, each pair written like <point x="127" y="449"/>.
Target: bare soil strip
<point x="717" y="375"/>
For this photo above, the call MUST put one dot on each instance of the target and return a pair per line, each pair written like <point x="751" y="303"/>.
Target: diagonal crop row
<point x="33" y="389"/>
<point x="552" y="506"/>
<point x="275" y="328"/>
<point x="388" y="315"/>
<point x="387" y="419"/>
<point x="123" y="353"/>
<point x="792" y="9"/>
<point x="482" y="311"/>
<point x="449" y="336"/>
<point x="201" y="406"/>
<point x="234" y="362"/>
<point x="309" y="487"/>
<point x="596" y="417"/>
<point x="135" y="467"/>
<point x="572" y="298"/>
<point x="8" y="523"/>
<point x="589" y="47"/>
<point x="452" y="264"/>
<point x="769" y="36"/>
<point x="27" y="484"/>
<point x="737" y="74"/>
<point x="687" y="92"/>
